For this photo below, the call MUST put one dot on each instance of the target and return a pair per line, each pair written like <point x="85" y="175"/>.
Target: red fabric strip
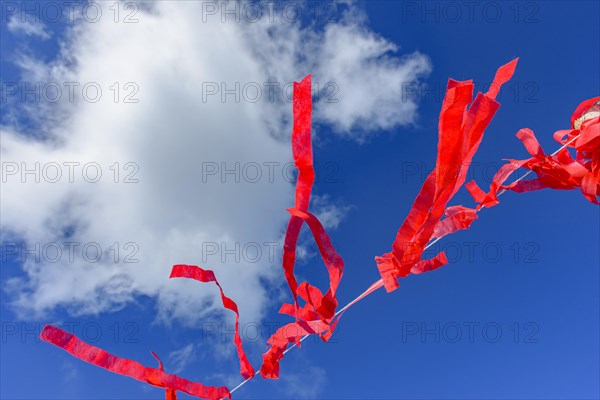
<point x="171" y="393"/>
<point x="333" y="261"/>
<point x="490" y="199"/>
<point x="284" y="336"/>
<point x="319" y="308"/>
<point x="457" y="218"/>
<point x="303" y="159"/>
<point x="560" y="171"/>
<point x="153" y="376"/>
<point x="503" y="75"/>
<point x="202" y="275"/>
<point x="461" y="128"/>
<point x="316" y="316"/>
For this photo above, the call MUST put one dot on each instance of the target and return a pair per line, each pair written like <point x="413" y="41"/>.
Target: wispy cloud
<point x="329" y="213"/>
<point x="70" y="372"/>
<point x="180" y="359"/>
<point x="306" y="384"/>
<point x="28" y="27"/>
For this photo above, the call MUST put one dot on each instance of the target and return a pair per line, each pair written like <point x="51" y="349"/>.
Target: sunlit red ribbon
<point x="559" y="171"/>
<point x="461" y="128"/>
<point x="153" y="376"/>
<point x="316" y="316"/>
<point x="171" y="393"/>
<point x="303" y="159"/>
<point x="202" y="275"/>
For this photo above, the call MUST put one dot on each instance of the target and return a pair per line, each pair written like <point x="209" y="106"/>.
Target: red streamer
<point x="303" y="159"/>
<point x="171" y="393"/>
<point x="153" y="376"/>
<point x="202" y="275"/>
<point x="461" y="130"/>
<point x="558" y="171"/>
<point x="316" y="316"/>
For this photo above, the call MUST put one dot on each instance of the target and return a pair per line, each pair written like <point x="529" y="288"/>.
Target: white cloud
<point x="371" y="82"/>
<point x="27" y="27"/>
<point x="180" y="359"/>
<point x="329" y="213"/>
<point x="173" y="138"/>
<point x="70" y="372"/>
<point x="306" y="384"/>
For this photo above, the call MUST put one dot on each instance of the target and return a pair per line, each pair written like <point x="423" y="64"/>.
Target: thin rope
<point x="434" y="241"/>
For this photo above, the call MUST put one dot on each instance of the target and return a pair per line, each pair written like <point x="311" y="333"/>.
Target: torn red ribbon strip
<point x="461" y="127"/>
<point x="558" y="171"/>
<point x="303" y="160"/>
<point x="202" y="275"/>
<point x="279" y="341"/>
<point x="153" y="376"/>
<point x="316" y="316"/>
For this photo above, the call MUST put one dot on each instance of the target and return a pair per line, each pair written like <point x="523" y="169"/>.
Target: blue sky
<point x="514" y="315"/>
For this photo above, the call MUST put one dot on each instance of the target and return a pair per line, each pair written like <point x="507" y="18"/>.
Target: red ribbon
<point x="461" y="127"/>
<point x="560" y="171"/>
<point x="316" y="316"/>
<point x="202" y="275"/>
<point x="153" y="376"/>
<point x="303" y="159"/>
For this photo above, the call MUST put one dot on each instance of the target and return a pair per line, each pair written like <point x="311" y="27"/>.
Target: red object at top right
<point x="558" y="170"/>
